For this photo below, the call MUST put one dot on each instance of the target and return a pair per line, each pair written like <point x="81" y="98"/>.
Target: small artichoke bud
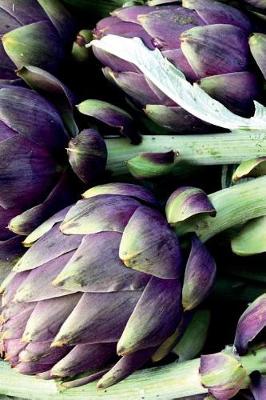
<point x="250" y="168"/>
<point x="199" y="275"/>
<point x="222" y="374"/>
<point x="80" y="52"/>
<point x="152" y="165"/>
<point x="87" y="155"/>
<point x="250" y="324"/>
<point x="186" y="202"/>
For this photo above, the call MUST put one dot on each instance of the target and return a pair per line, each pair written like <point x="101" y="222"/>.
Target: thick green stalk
<point x="212" y="149"/>
<point x="169" y="382"/>
<point x="234" y="205"/>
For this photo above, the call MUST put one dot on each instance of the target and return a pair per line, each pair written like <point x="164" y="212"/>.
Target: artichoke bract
<point x="34" y="32"/>
<point x="102" y="279"/>
<point x="194" y="37"/>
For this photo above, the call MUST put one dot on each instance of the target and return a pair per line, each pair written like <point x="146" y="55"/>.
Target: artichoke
<point x="195" y="38"/>
<point x="34" y="32"/>
<point x="102" y="278"/>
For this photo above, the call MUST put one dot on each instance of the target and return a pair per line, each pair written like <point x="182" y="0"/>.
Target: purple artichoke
<point x="102" y="279"/>
<point x="34" y="32"/>
<point x="195" y="37"/>
<point x="35" y="175"/>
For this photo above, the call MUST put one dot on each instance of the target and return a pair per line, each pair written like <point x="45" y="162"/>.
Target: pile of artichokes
<point x="132" y="175"/>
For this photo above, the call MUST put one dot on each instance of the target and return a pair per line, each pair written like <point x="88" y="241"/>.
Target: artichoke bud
<point x="185" y="202"/>
<point x="199" y="277"/>
<point x="80" y="52"/>
<point x="87" y="155"/>
<point x="250" y="168"/>
<point x="257" y="44"/>
<point x="250" y="324"/>
<point x="152" y="165"/>
<point x="223" y="375"/>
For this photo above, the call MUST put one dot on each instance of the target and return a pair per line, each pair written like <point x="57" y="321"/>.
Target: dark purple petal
<point x="38" y="284"/>
<point x="258" y="386"/>
<point x="125" y="367"/>
<point x="47" y="317"/>
<point x="222" y="374"/>
<point x="165" y="26"/>
<point x="214" y="12"/>
<point x="87" y="155"/>
<point x="41" y="352"/>
<point x="185" y="202"/>
<point x="115" y="63"/>
<point x="236" y="91"/>
<point x="23" y="11"/>
<point x="123" y="189"/>
<point x="104" y="316"/>
<point x="28" y="172"/>
<point x="84" y="357"/>
<point x="62" y="194"/>
<point x="200" y="275"/>
<point x="53" y="90"/>
<point x="52" y="245"/>
<point x="177" y="57"/>
<point x="175" y="119"/>
<point x="207" y="51"/>
<point x="134" y="85"/>
<point x="33" y="368"/>
<point x="114" y="26"/>
<point x="110" y="115"/>
<point x="149" y="245"/>
<point x="250" y="324"/>
<point x="257" y="43"/>
<point x="155" y="317"/>
<point x="30" y="115"/>
<point x="131" y="14"/>
<point x="99" y="213"/>
<point x="96" y="267"/>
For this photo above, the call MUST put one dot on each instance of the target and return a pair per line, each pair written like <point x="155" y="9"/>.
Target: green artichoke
<point x="34" y="32"/>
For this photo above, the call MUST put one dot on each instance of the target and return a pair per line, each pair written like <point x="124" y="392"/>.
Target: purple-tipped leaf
<point x="186" y="202"/>
<point x="155" y="317"/>
<point x="199" y="276"/>
<point x="97" y="214"/>
<point x="104" y="316"/>
<point x="150" y="246"/>
<point x="123" y="189"/>
<point x="96" y="267"/>
<point x="250" y="324"/>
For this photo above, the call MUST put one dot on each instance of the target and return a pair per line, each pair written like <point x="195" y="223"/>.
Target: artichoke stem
<point x="194" y="150"/>
<point x="162" y="383"/>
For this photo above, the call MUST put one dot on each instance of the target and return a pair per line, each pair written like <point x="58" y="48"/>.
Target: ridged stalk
<point x="193" y="150"/>
<point x="169" y="382"/>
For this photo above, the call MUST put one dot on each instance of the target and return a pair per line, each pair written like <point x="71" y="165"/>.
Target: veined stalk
<point x="212" y="149"/>
<point x="169" y="382"/>
<point x="234" y="205"/>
